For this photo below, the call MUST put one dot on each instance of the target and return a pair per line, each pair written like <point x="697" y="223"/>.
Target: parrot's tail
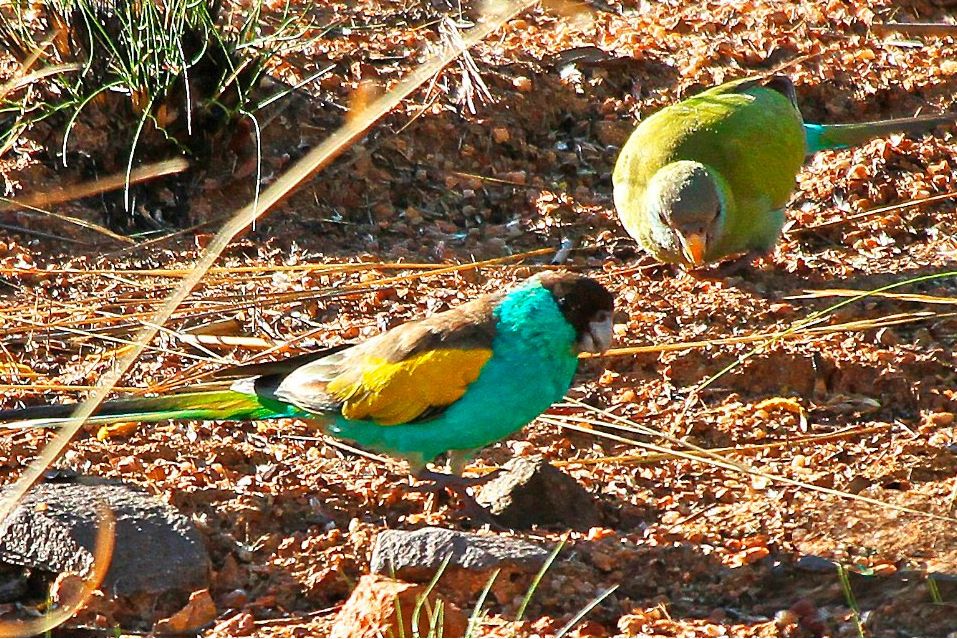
<point x="213" y="405"/>
<point x="820" y="137"/>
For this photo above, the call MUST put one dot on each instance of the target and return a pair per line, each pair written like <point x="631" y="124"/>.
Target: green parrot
<point x="451" y="383"/>
<point x="709" y="177"/>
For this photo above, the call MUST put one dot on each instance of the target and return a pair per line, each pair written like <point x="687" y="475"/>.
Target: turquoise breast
<point x="532" y="365"/>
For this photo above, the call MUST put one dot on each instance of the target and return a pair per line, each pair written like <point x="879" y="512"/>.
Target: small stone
<point x="813" y="563"/>
<point x="416" y="555"/>
<point x="784" y="618"/>
<point x="377" y="603"/>
<point x="532" y="492"/>
<point x="633" y="624"/>
<point x="522" y="83"/>
<point x="236" y="598"/>
<point x="612" y="133"/>
<point x="603" y="561"/>
<point x="939" y="420"/>
<point x="887" y="337"/>
<point x="198" y="612"/>
<point x="242" y="624"/>
<point x="67" y="589"/>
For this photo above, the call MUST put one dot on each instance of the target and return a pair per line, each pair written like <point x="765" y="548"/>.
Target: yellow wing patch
<point x="398" y="392"/>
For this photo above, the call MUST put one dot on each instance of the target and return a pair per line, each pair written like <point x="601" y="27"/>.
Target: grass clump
<point x="136" y="82"/>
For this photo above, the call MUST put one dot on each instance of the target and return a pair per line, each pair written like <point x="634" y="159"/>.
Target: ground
<point x="861" y="402"/>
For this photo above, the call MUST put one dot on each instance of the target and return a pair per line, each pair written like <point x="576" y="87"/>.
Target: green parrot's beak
<point x="695" y="246"/>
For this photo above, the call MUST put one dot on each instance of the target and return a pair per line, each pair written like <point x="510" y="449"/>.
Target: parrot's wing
<point x="410" y="372"/>
<point x="278" y="367"/>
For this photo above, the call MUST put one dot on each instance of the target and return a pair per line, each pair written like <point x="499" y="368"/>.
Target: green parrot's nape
<point x="709" y="177"/>
<point x="451" y="383"/>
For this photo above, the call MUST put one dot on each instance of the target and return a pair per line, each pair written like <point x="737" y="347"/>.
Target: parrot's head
<point x="587" y="305"/>
<point x="686" y="203"/>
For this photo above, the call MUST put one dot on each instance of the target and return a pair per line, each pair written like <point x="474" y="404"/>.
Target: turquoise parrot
<point x="709" y="177"/>
<point x="451" y="383"/>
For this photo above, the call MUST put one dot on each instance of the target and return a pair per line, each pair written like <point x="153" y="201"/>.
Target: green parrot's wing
<point x="410" y="372"/>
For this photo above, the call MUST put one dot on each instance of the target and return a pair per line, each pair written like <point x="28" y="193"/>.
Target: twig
<point x="916" y="28"/>
<point x="874" y="213"/>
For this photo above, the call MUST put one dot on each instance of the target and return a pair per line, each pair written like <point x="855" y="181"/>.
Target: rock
<point x="814" y="563"/>
<point x="157" y="549"/>
<point x="532" y="492"/>
<point x="612" y="133"/>
<point x="198" y="612"/>
<point x="242" y="624"/>
<point x="371" y="611"/>
<point x="416" y="555"/>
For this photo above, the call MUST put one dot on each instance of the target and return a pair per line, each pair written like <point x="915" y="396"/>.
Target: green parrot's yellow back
<point x="748" y="135"/>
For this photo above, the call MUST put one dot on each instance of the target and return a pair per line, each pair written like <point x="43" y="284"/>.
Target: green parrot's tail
<point x="820" y="137"/>
<point x="214" y="405"/>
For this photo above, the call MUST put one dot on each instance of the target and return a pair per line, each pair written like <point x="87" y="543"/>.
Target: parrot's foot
<point x="459" y="486"/>
<point x="441" y="481"/>
<point x="741" y="266"/>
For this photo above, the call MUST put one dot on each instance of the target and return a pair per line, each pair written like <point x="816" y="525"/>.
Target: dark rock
<point x="813" y="563"/>
<point x="530" y="492"/>
<point x="416" y="556"/>
<point x="13" y="583"/>
<point x="157" y="549"/>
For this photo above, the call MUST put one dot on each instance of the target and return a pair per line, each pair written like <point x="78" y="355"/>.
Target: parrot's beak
<point x="598" y="337"/>
<point x="694" y="246"/>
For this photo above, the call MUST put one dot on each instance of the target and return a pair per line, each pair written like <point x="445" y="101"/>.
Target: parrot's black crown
<point x="580" y="299"/>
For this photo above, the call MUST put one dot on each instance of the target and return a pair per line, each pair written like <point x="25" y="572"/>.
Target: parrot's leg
<point x="459" y="486"/>
<point x="448" y="481"/>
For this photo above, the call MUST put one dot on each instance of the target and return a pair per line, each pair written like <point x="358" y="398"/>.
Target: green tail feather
<point x="212" y="405"/>
<point x="820" y="137"/>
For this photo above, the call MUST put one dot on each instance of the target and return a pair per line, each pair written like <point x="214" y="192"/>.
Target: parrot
<point x="709" y="177"/>
<point x="453" y="382"/>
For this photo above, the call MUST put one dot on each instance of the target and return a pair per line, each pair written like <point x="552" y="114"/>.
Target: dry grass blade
<point x="916" y="28"/>
<point x="370" y="285"/>
<point x="125" y="343"/>
<point x="494" y="16"/>
<point x="23" y="77"/>
<point x="95" y="187"/>
<point x="811" y="321"/>
<point x="202" y="307"/>
<point x="875" y="212"/>
<point x="352" y="450"/>
<point x="73" y="220"/>
<point x="229" y="270"/>
<point x="21" y="81"/>
<point x="63" y="388"/>
<point x="231" y="341"/>
<point x="705" y="456"/>
<point x="750" y="449"/>
<point x="813" y="294"/>
<point x="791" y="334"/>
<point x="102" y="556"/>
